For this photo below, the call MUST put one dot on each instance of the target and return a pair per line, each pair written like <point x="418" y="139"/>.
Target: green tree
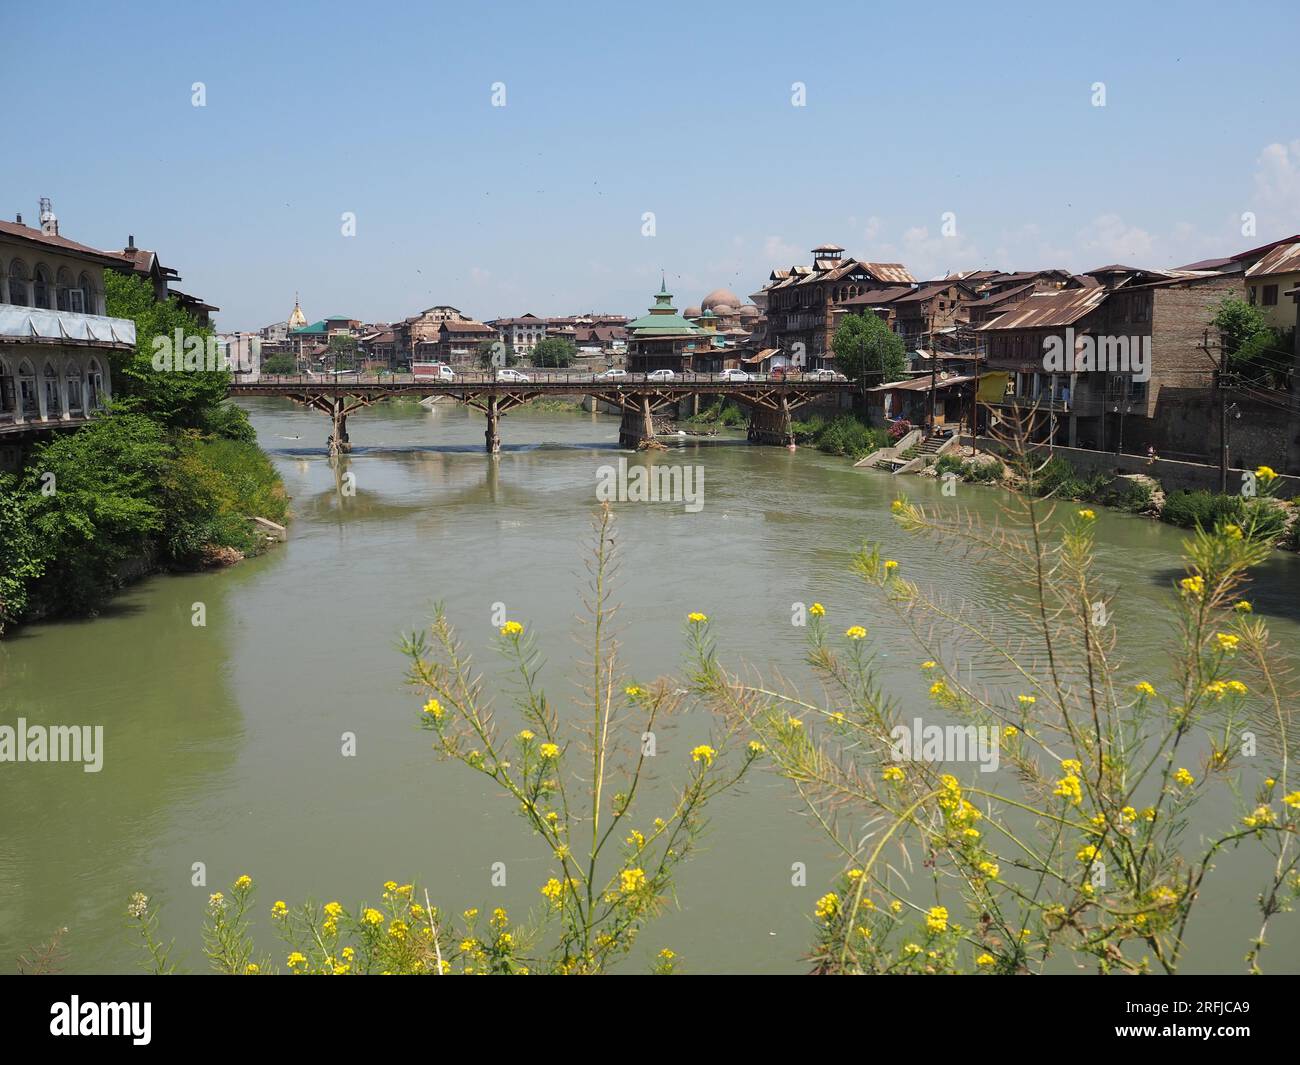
<point x="279" y="364"/>
<point x="343" y="352"/>
<point x="557" y="352"/>
<point x="867" y="350"/>
<point x="486" y="351"/>
<point x="92" y="503"/>
<point x="20" y="561"/>
<point x="179" y="399"/>
<point x="1253" y="349"/>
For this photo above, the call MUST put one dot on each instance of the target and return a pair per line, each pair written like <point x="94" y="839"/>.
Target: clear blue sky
<point x="611" y="111"/>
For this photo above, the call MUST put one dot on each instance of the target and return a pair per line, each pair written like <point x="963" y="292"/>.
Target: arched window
<point x="8" y="392"/>
<point x="52" y="402"/>
<point x="76" y="387"/>
<point x="18" y="283"/>
<point x="87" y="289"/>
<point x="95" y="378"/>
<point x="41" y="288"/>
<point x="63" y="290"/>
<point x="27" y="388"/>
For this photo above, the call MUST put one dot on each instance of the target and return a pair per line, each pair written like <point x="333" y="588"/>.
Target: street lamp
<point x="1121" y="411"/>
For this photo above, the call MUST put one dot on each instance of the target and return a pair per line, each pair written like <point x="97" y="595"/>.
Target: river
<point x="223" y="741"/>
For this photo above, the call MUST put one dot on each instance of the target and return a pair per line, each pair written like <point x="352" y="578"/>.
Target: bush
<point x="983" y="471"/>
<point x="1200" y="509"/>
<point x="847" y="435"/>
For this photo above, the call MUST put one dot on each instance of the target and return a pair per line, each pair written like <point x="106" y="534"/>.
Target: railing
<point x="547" y="377"/>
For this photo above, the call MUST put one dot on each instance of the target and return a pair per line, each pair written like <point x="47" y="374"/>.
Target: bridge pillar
<point x="493" y="434"/>
<point x="638" y="428"/>
<point x="338" y="441"/>
<point x="767" y="426"/>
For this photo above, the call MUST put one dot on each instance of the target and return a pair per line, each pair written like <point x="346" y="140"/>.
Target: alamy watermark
<point x="1109" y="354"/>
<point x="53" y="743"/>
<point x="651" y="484"/>
<point x="919" y="742"/>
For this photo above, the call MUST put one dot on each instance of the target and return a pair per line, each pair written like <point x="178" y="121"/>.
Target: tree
<point x="555" y="352"/>
<point x="342" y="352"/>
<point x="1251" y="347"/>
<point x="867" y="350"/>
<point x="490" y="353"/>
<point x="177" y="398"/>
<point x="279" y="364"/>
<point x="20" y="561"/>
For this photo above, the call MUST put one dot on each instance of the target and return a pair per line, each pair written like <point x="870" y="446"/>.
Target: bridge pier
<point x="493" y="434"/>
<point x="768" y="426"/>
<point x="638" y="427"/>
<point x="338" y="442"/>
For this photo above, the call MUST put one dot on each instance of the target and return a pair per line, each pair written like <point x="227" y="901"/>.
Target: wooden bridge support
<point x="769" y="425"/>
<point x="338" y="441"/>
<point x="493" y="433"/>
<point x="638" y="428"/>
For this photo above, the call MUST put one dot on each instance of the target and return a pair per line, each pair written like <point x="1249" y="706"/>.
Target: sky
<point x="639" y="139"/>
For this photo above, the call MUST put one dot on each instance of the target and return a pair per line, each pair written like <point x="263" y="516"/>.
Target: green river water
<point x="223" y="742"/>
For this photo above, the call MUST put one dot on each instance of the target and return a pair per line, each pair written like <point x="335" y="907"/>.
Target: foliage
<point x="899" y="428"/>
<point x="555" y="352"/>
<point x="1254" y="350"/>
<point x="99" y="507"/>
<point x="1081" y="850"/>
<point x="280" y="364"/>
<point x="867" y="350"/>
<point x="846" y="434"/>
<point x="21" y="560"/>
<point x="724" y="412"/>
<point x="177" y="400"/>
<point x="1192" y="509"/>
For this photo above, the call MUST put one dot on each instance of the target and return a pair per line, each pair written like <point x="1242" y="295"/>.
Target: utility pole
<point x="1221" y="394"/>
<point x="934" y="372"/>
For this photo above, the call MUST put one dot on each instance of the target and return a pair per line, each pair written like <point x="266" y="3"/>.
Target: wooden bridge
<point x="770" y="402"/>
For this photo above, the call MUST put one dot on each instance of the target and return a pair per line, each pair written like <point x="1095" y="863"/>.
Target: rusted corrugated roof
<point x="1284" y="259"/>
<point x="894" y="272"/>
<point x="1045" y="310"/>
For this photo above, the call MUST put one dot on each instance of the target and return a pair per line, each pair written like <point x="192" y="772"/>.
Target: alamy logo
<point x="55" y="743"/>
<point x="102" y="1018"/>
<point x="1089" y="354"/>
<point x="180" y="353"/>
<point x="920" y="742"/>
<point x="651" y="484"/>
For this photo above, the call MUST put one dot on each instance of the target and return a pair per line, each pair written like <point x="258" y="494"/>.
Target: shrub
<point x="848" y="435"/>
<point x="1199" y="509"/>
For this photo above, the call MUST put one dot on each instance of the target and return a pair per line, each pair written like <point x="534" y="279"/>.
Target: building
<point x="1272" y="275"/>
<point x="663" y="339"/>
<point x="1136" y="339"/>
<point x="520" y="335"/>
<point x="310" y="342"/>
<point x="457" y="343"/>
<point x="143" y="263"/>
<point x="421" y="331"/>
<point x="56" y="342"/>
<point x="800" y="303"/>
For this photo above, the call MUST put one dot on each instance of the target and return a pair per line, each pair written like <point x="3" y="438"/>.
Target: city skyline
<point x="990" y="125"/>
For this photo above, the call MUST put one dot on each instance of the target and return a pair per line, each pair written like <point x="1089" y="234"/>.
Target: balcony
<point x="38" y="325"/>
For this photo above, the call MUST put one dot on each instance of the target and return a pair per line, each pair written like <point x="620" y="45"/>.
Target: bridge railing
<point x="534" y="376"/>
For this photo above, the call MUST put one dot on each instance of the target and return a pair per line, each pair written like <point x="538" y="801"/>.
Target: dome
<point x="720" y="296"/>
<point x="749" y="311"/>
<point x="691" y="312"/>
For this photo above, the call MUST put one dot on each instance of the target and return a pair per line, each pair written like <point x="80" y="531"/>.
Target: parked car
<point x="825" y="374"/>
<point x="432" y="371"/>
<point x="611" y="374"/>
<point x="734" y="374"/>
<point x="511" y="375"/>
<point x="660" y="375"/>
<point x="782" y="373"/>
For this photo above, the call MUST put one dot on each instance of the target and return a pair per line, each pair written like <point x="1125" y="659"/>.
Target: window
<point x="1270" y="295"/>
<point x="27" y="388"/>
<point x="95" y="379"/>
<point x="41" y="289"/>
<point x="75" y="390"/>
<point x="1252" y="296"/>
<point x="18" y="283"/>
<point x="52" y="404"/>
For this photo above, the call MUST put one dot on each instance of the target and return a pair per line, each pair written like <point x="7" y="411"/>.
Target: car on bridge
<point x="734" y="374"/>
<point x="432" y="371"/>
<point x="611" y="374"/>
<point x="511" y="376"/>
<point x="660" y="375"/>
<point x="825" y="374"/>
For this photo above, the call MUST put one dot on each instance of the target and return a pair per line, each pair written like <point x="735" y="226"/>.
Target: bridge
<point x="770" y="402"/>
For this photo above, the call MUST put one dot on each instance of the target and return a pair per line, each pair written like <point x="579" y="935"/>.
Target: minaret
<point x="297" y="319"/>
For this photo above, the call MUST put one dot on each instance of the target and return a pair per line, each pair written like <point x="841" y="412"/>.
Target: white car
<point x="736" y="375"/>
<point x="433" y="372"/>
<point x="825" y="375"/>
<point x="511" y="375"/>
<point x="609" y="375"/>
<point x="660" y="375"/>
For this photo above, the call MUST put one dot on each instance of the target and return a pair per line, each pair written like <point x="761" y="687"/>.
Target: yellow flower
<point x="435" y="708"/>
<point x="1072" y="765"/>
<point x="817" y="610"/>
<point x="895" y="906"/>
<point x="856" y="632"/>
<point x="893" y="772"/>
<point x="890" y="564"/>
<point x="896" y="506"/>
<point x="696" y="618"/>
<point x="252" y="969"/>
<point x="1292" y="800"/>
<point x="1144" y="688"/>
<point x="1236" y="687"/>
<point x="243" y="883"/>
<point x="756" y="748"/>
<point x="635" y="839"/>
<point x="929" y="665"/>
<point x="936" y="919"/>
<point x="1183" y="777"/>
<point x="371" y="916"/>
<point x="631" y="881"/>
<point x="1088" y="853"/>
<point x="984" y="959"/>
<point x="1266" y="473"/>
<point x="511" y="628"/>
<point x="667" y="954"/>
<point x="940" y="690"/>
<point x="1242" y="606"/>
<point x="1194" y="585"/>
<point x="1164" y="896"/>
<point x="280" y="910"/>
<point x="794" y="722"/>
<point x="1226" y="641"/>
<point x="1149" y="813"/>
<point x="989" y="869"/>
<point x="1262" y="816"/>
<point x="1128" y="813"/>
<point x="828" y="906"/>
<point x="295" y="959"/>
<point x="1087" y="515"/>
<point x="1026" y="700"/>
<point x="1068" y="788"/>
<point x="704" y="753"/>
<point x="633" y="690"/>
<point x="1010" y="732"/>
<point x="1233" y="532"/>
<point x="333" y="910"/>
<point x="548" y="750"/>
